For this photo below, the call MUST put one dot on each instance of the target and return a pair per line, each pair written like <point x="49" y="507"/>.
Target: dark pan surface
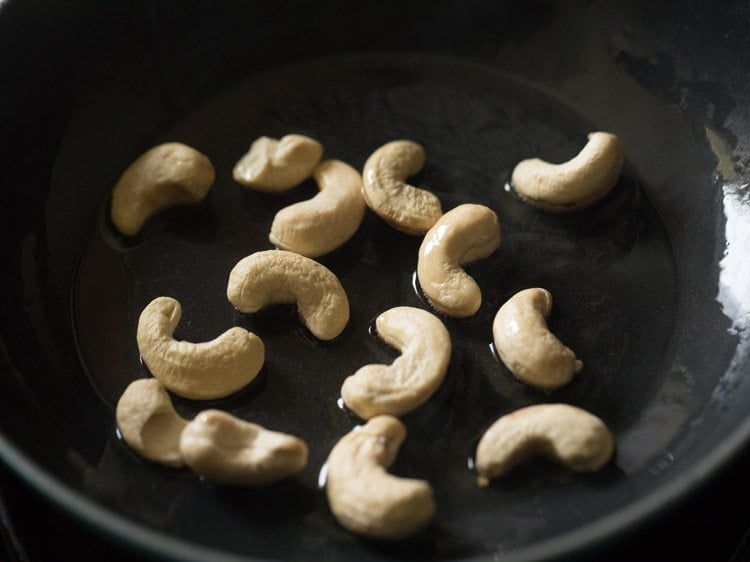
<point x="635" y="281"/>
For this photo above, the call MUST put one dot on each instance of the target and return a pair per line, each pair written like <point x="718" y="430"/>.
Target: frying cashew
<point x="202" y="371"/>
<point x="273" y="165"/>
<point x="575" y="184"/>
<point x="167" y="175"/>
<point x="572" y="436"/>
<point x="149" y="423"/>
<point x="228" y="450"/>
<point x="463" y="235"/>
<point x="363" y="497"/>
<point x="403" y="206"/>
<point x="413" y="377"/>
<point x="322" y="224"/>
<point x="278" y="276"/>
<point x="527" y="347"/>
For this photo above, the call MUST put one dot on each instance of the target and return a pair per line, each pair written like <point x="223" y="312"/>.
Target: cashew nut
<point x="403" y="206"/>
<point x="527" y="347"/>
<point x="322" y="224"/>
<point x="413" y="377"/>
<point x="228" y="450"/>
<point x="149" y="423"/>
<point x="463" y="235"/>
<point x="575" y="184"/>
<point x="572" y="436"/>
<point x="363" y="497"/>
<point x="167" y="175"/>
<point x="203" y="371"/>
<point x="273" y="165"/>
<point x="278" y="276"/>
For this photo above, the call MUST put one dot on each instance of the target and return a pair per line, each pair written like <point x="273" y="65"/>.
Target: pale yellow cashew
<point x="273" y="165"/>
<point x="277" y="276"/>
<point x="403" y="206"/>
<point x="413" y="377"/>
<point x="463" y="235"/>
<point x="526" y="346"/>
<point x="322" y="224"/>
<point x="575" y="184"/>
<point x="570" y="435"/>
<point x="201" y="371"/>
<point x="228" y="450"/>
<point x="149" y="423"/>
<point x="167" y="175"/>
<point x="363" y="496"/>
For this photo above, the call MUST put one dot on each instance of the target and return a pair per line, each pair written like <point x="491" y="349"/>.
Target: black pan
<point x="649" y="286"/>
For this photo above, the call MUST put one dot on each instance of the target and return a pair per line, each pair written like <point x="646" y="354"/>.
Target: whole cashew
<point x="149" y="423"/>
<point x="403" y="206"/>
<point x="363" y="497"/>
<point x="273" y="165"/>
<point x="277" y="276"/>
<point x="167" y="175"/>
<point x="527" y="347"/>
<point x="572" y="436"/>
<point x="228" y="450"/>
<point x="575" y="184"/>
<point x="465" y="234"/>
<point x="322" y="224"/>
<point x="413" y="377"/>
<point x="202" y="371"/>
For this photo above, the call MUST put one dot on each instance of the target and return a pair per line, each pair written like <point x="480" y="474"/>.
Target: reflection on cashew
<point x="527" y="347"/>
<point x="202" y="371"/>
<point x="276" y="276"/>
<point x="463" y="235"/>
<point x="570" y="435"/>
<point x="575" y="184"/>
<point x="413" y="377"/>
<point x="322" y="224"/>
<point x="167" y="175"/>
<point x="228" y="450"/>
<point x="277" y="165"/>
<point x="149" y="423"/>
<point x="363" y="497"/>
<point x="403" y="206"/>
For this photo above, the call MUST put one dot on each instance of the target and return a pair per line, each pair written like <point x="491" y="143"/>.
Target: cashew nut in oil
<point x="202" y="371"/>
<point x="228" y="450"/>
<point x="403" y="206"/>
<point x="570" y="435"/>
<point x="167" y="175"/>
<point x="413" y="377"/>
<point x="463" y="235"/>
<point x="274" y="165"/>
<point x="575" y="184"/>
<point x="322" y="224"/>
<point x="363" y="496"/>
<point x="277" y="276"/>
<point x="526" y="346"/>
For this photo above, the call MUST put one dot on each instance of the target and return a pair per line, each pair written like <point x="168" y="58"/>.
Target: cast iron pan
<point x="648" y="284"/>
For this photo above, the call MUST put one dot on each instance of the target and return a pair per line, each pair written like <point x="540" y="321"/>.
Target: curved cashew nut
<point x="322" y="224"/>
<point x="202" y="371"/>
<point x="572" y="436"/>
<point x="277" y="276"/>
<point x="167" y="175"/>
<point x="403" y="206"/>
<point x="413" y="377"/>
<point x="363" y="497"/>
<point x="149" y="423"/>
<point x="465" y="234"/>
<point x="527" y="347"/>
<point x="575" y="184"/>
<point x="273" y="165"/>
<point x="228" y="450"/>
